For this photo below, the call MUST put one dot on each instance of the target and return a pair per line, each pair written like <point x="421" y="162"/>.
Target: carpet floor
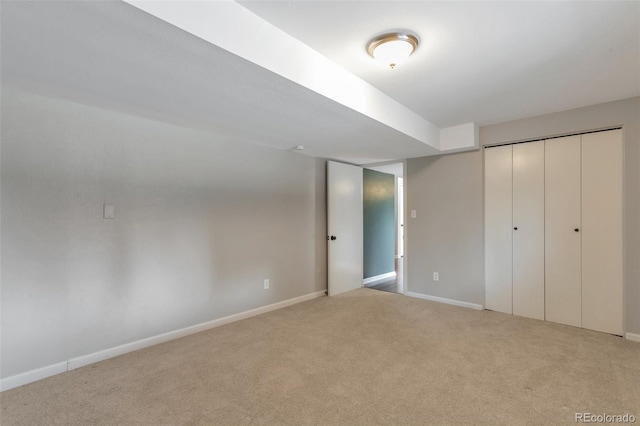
<point x="362" y="358"/>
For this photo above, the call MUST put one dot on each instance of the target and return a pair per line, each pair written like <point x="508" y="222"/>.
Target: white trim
<point x="81" y="361"/>
<point x="444" y="300"/>
<point x="380" y="277"/>
<point x="633" y="337"/>
<point x="32" y="376"/>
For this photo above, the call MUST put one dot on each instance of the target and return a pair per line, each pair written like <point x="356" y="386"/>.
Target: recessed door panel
<point x="602" y="231"/>
<point x="562" y="231"/>
<point x="498" y="228"/>
<point x="528" y="230"/>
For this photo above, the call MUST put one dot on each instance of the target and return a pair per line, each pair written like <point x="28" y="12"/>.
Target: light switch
<point x="414" y="214"/>
<point x="109" y="211"/>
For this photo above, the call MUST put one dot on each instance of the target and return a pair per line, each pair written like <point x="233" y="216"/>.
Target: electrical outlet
<point x="436" y="276"/>
<point x="266" y="284"/>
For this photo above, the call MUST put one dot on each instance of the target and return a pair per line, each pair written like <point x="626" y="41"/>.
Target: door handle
<point x="332" y="238"/>
<point x="515" y="228"/>
<point x="577" y="229"/>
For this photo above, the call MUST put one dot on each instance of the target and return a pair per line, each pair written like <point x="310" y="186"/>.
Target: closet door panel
<point x="528" y="234"/>
<point x="562" y="243"/>
<point x="602" y="231"/>
<point x="498" y="228"/>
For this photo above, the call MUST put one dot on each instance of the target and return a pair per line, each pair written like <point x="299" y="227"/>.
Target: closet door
<point x="562" y="231"/>
<point x="528" y="230"/>
<point x="602" y="231"/>
<point x="498" y="228"/>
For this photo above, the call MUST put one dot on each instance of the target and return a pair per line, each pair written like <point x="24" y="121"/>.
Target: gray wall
<point x="379" y="223"/>
<point x="200" y="222"/>
<point x="447" y="234"/>
<point x="441" y="189"/>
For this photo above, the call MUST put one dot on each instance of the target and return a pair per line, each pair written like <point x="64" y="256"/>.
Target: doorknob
<point x="515" y="228"/>
<point x="333" y="238"/>
<point x="577" y="230"/>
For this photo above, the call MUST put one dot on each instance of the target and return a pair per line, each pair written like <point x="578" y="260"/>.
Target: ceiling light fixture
<point x="391" y="49"/>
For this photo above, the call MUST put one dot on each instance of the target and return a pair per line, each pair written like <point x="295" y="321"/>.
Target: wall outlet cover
<point x="109" y="211"/>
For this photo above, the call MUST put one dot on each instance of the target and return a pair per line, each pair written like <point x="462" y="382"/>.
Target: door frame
<point x="403" y="162"/>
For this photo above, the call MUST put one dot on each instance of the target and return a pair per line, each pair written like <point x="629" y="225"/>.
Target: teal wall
<point x="379" y="223"/>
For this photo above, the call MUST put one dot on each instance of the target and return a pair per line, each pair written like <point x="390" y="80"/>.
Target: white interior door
<point x="602" y="231"/>
<point x="344" y="226"/>
<point x="528" y="230"/>
<point x="498" y="191"/>
<point x="563" y="258"/>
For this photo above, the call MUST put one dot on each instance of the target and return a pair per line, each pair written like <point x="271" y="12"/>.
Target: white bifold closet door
<point x="553" y="230"/>
<point x="514" y="229"/>
<point x="498" y="189"/>
<point x="563" y="260"/>
<point x="583" y="231"/>
<point x="602" y="232"/>
<point x="528" y="230"/>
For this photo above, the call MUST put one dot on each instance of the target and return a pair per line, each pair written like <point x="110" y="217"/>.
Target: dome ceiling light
<point x="392" y="49"/>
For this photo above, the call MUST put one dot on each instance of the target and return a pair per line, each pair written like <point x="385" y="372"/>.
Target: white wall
<point x="200" y="222"/>
<point x="447" y="235"/>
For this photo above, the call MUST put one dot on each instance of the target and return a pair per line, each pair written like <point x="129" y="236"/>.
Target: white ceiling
<point x="480" y="62"/>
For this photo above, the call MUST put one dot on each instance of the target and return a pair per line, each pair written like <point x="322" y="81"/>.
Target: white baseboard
<point x="633" y="337"/>
<point x="380" y="277"/>
<point x="444" y="300"/>
<point x="33" y="376"/>
<point x="81" y="361"/>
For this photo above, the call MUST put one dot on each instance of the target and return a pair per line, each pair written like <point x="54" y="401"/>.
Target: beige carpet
<point x="362" y="358"/>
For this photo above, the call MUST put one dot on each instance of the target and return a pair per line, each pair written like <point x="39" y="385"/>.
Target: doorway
<point x="383" y="224"/>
